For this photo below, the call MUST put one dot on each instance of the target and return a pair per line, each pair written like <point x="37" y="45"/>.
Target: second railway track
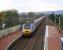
<point x="33" y="43"/>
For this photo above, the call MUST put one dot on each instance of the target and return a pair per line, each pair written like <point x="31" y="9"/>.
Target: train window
<point x="27" y="26"/>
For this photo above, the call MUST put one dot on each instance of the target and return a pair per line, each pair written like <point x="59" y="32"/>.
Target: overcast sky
<point x="31" y="5"/>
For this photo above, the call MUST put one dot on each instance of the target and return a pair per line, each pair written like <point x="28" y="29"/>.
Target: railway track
<point x="33" y="43"/>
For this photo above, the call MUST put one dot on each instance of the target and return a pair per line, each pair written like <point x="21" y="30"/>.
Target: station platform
<point x="52" y="38"/>
<point x="8" y="40"/>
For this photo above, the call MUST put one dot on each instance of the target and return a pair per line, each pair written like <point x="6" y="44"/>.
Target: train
<point x="29" y="28"/>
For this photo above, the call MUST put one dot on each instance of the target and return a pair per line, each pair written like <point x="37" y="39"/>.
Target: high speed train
<point x="29" y="28"/>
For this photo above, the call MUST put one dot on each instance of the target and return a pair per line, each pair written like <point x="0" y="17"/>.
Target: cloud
<point x="31" y="5"/>
<point x="4" y="4"/>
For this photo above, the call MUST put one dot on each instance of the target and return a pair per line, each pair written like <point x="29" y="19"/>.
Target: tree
<point x="52" y="16"/>
<point x="12" y="17"/>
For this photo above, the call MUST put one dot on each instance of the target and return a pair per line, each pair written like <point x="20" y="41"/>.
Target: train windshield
<point x="27" y="26"/>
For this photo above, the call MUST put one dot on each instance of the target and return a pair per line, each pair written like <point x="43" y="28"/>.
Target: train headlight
<point x="26" y="31"/>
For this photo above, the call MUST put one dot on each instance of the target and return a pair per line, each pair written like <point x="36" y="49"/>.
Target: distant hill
<point x="56" y="12"/>
<point x="25" y="14"/>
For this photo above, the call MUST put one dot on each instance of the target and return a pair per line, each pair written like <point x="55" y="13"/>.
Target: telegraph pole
<point x="55" y="19"/>
<point x="20" y="23"/>
<point x="27" y="19"/>
<point x="59" y="23"/>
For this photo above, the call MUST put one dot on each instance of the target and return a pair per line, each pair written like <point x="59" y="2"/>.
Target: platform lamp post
<point x="13" y="11"/>
<point x="3" y="25"/>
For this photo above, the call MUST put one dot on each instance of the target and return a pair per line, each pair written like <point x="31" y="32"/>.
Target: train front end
<point x="27" y="29"/>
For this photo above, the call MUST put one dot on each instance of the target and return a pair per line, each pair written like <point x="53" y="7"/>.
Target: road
<point x="36" y="42"/>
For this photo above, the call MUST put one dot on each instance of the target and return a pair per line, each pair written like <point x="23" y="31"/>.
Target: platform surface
<point x="7" y="40"/>
<point x="53" y="38"/>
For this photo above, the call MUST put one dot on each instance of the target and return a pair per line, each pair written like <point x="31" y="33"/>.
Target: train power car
<point x="29" y="28"/>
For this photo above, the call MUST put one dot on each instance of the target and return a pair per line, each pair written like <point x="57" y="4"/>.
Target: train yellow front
<point x="27" y="32"/>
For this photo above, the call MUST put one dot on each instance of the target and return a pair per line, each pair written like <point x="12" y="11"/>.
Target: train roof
<point x="36" y="20"/>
